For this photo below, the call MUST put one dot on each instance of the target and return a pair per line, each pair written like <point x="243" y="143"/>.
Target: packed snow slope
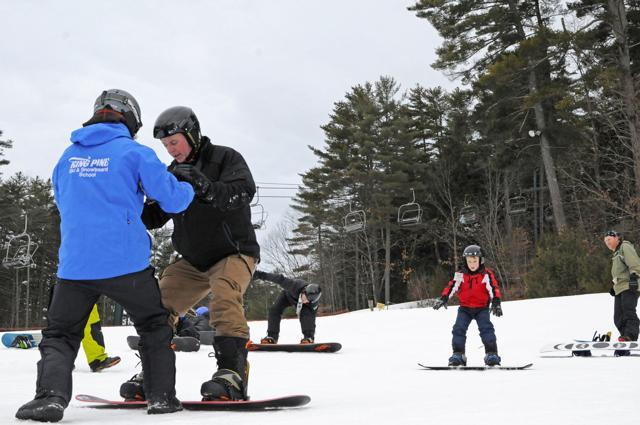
<point x="375" y="378"/>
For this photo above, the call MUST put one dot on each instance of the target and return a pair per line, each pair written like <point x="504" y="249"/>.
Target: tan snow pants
<point x="182" y="286"/>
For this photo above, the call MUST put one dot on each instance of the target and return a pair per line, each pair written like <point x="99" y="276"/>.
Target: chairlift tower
<point x="19" y="251"/>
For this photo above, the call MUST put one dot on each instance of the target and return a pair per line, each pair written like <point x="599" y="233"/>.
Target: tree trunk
<point x="387" y="264"/>
<point x="619" y="23"/>
<point x="541" y="122"/>
<point x="357" y="275"/>
<point x="549" y="166"/>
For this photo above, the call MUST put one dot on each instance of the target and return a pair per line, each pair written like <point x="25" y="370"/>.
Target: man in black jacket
<point x="304" y="296"/>
<point x="217" y="246"/>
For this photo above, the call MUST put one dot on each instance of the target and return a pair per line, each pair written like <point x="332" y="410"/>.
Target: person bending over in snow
<point x="297" y="293"/>
<point x="477" y="289"/>
<point x="194" y="322"/>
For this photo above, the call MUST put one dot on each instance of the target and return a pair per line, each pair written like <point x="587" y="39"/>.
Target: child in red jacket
<point x="477" y="289"/>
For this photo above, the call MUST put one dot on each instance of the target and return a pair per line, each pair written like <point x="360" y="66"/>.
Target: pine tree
<point x="515" y="35"/>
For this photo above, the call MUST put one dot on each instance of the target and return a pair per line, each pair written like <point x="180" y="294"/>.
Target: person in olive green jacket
<point x="625" y="269"/>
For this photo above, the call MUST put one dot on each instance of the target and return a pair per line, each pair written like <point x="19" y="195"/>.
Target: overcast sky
<point x="261" y="75"/>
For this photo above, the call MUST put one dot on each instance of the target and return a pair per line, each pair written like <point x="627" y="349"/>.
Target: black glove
<point x="612" y="292"/>
<point x="495" y="307"/>
<point x="633" y="282"/>
<point x="201" y="184"/>
<point x="441" y="302"/>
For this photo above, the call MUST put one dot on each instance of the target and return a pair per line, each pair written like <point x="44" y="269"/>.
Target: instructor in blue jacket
<point x="99" y="184"/>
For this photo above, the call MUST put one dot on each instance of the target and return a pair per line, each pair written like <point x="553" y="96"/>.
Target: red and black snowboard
<point x="325" y="347"/>
<point x="266" y="404"/>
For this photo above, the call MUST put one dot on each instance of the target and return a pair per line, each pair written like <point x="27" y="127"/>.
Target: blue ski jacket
<point x="99" y="186"/>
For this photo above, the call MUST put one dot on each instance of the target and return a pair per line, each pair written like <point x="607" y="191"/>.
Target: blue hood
<point x="97" y="134"/>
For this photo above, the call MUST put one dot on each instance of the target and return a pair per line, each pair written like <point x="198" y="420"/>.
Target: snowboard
<point x="326" y="347"/>
<point x="527" y="366"/>
<point x="265" y="404"/>
<point x="591" y="345"/>
<point x="9" y="338"/>
<point x="180" y="343"/>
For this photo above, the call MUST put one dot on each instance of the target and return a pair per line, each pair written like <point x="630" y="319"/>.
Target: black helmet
<point x="179" y="119"/>
<point x="612" y="233"/>
<point x="473" y="251"/>
<point x="119" y="101"/>
<point x="313" y="292"/>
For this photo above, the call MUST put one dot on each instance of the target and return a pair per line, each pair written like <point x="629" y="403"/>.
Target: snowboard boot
<point x="268" y="340"/>
<point x="306" y="340"/>
<point x="458" y="359"/>
<point x="98" y="365"/>
<point x="133" y="389"/>
<point x="622" y="353"/>
<point x="492" y="359"/>
<point x="232" y="377"/>
<point x="165" y="404"/>
<point x="45" y="409"/>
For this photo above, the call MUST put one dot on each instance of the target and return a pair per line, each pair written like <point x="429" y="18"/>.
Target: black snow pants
<point x="70" y="304"/>
<point x="625" y="316"/>
<point x="307" y="317"/>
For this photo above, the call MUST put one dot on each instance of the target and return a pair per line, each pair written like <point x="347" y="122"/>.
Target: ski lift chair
<point x="468" y="215"/>
<point x="410" y="214"/>
<point x="258" y="216"/>
<point x="355" y="221"/>
<point x="19" y="251"/>
<point x="517" y="205"/>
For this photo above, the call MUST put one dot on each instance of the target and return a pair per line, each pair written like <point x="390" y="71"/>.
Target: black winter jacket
<point x="292" y="287"/>
<point x="205" y="233"/>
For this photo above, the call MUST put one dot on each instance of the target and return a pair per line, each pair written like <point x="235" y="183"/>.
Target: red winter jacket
<point x="475" y="290"/>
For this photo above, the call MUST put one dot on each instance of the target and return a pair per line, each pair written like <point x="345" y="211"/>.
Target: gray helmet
<point x="179" y="119"/>
<point x="120" y="101"/>
<point x="473" y="251"/>
<point x="313" y="292"/>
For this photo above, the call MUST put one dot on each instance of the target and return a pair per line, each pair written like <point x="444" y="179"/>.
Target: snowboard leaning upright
<point x="266" y="404"/>
<point x="326" y="347"/>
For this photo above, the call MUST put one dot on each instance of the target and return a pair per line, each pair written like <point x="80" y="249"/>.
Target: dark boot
<point x="491" y="357"/>
<point x="165" y="404"/>
<point x="458" y="359"/>
<point x="133" y="389"/>
<point x="622" y="353"/>
<point x="231" y="380"/>
<point x="44" y="409"/>
<point x="98" y="365"/>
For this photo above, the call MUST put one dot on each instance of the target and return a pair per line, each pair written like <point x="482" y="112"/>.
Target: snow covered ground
<point x="375" y="378"/>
